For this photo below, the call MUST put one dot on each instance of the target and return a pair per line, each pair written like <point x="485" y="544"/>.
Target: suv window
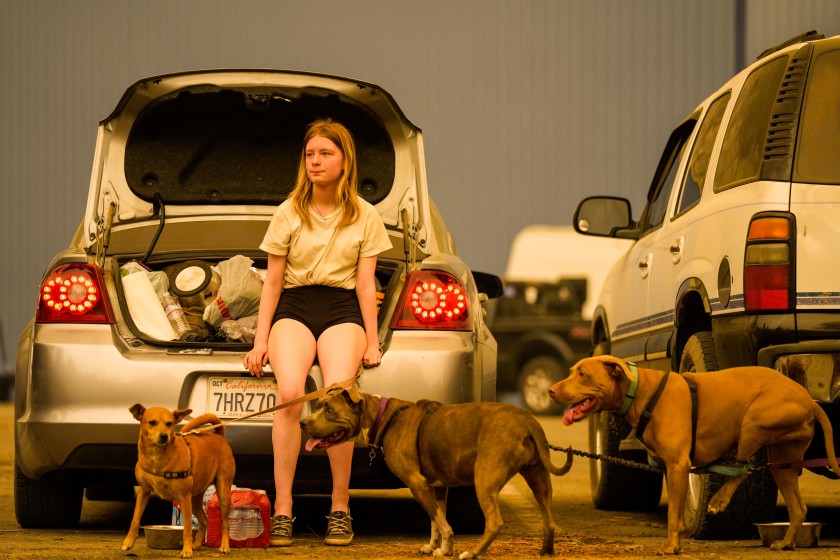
<point x="698" y="165"/>
<point x="742" y="150"/>
<point x="666" y="172"/>
<point x="816" y="160"/>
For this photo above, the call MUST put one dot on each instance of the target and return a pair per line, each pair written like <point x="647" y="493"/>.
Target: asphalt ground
<point x="389" y="524"/>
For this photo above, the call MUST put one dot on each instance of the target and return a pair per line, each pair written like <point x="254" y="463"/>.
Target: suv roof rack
<point x="811" y="35"/>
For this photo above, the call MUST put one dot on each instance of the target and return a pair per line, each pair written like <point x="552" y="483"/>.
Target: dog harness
<point x="174" y="474"/>
<point x="646" y="415"/>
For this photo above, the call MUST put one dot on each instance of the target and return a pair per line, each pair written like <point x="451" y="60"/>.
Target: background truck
<point x="542" y="321"/>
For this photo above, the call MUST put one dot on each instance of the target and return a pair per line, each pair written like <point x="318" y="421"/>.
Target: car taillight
<point x="74" y="293"/>
<point x="769" y="263"/>
<point x="433" y="299"/>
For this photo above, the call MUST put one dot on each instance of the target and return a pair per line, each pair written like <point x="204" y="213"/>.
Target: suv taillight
<point x="74" y="293"/>
<point x="432" y="299"/>
<point x="769" y="263"/>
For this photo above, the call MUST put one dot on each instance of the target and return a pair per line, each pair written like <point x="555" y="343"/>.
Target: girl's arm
<point x="269" y="297"/>
<point x="366" y="292"/>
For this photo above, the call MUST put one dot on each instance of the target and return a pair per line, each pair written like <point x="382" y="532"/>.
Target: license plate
<point x="235" y="397"/>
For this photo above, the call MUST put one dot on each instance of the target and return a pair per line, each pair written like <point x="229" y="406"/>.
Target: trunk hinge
<point x="103" y="232"/>
<point x="409" y="239"/>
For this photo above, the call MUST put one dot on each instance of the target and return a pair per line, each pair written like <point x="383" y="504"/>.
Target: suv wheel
<point x="755" y="499"/>
<point x="615" y="487"/>
<point x="535" y="379"/>
<point x="54" y="501"/>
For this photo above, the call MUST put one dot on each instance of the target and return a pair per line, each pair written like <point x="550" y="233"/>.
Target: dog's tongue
<point x="573" y="414"/>
<point x="569" y="416"/>
<point x="313" y="441"/>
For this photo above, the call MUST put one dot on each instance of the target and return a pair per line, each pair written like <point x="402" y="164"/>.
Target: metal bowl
<point x="165" y="537"/>
<point x="807" y="537"/>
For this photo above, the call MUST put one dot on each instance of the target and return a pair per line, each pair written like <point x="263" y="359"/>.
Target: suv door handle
<point x="676" y="249"/>
<point x="644" y="266"/>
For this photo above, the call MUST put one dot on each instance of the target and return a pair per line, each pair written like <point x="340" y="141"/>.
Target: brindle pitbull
<point x="431" y="447"/>
<point x="745" y="406"/>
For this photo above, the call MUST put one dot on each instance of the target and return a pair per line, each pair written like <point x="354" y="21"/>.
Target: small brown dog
<point x="431" y="447"/>
<point x="748" y="407"/>
<point x="180" y="468"/>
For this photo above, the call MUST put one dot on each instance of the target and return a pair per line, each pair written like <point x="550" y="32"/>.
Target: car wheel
<point x="463" y="511"/>
<point x="54" y="501"/>
<point x="755" y="499"/>
<point x="535" y="379"/>
<point x="616" y="487"/>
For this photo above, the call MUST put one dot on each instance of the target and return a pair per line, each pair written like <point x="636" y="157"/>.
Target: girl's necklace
<point x="318" y="211"/>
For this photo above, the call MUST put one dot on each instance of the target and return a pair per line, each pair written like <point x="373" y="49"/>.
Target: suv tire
<point x="755" y="499"/>
<point x="535" y="379"/>
<point x="616" y="487"/>
<point x="54" y="501"/>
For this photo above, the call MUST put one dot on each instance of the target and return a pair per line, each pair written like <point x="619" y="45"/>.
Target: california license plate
<point x="235" y="397"/>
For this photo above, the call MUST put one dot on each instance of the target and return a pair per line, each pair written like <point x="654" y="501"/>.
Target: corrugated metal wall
<point x="526" y="106"/>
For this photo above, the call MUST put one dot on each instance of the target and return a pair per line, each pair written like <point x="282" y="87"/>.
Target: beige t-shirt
<point x="324" y="255"/>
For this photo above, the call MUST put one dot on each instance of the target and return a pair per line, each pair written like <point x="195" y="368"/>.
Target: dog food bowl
<point x="165" y="537"/>
<point x="807" y="537"/>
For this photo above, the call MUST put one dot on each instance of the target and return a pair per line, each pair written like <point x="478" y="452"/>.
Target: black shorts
<point x="319" y="307"/>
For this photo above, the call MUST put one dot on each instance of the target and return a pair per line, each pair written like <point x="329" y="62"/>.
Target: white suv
<point x="734" y="260"/>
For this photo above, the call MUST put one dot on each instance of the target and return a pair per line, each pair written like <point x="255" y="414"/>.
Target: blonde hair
<point x="347" y="192"/>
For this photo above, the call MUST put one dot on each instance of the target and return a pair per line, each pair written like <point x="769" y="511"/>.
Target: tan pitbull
<point x="747" y="407"/>
<point x="431" y="447"/>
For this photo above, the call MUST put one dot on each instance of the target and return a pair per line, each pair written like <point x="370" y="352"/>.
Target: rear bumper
<point x="813" y="364"/>
<point x="804" y="346"/>
<point x="75" y="390"/>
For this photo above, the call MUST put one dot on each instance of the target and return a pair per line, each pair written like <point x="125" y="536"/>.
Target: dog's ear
<point x="334" y="388"/>
<point x="137" y="411"/>
<point x="615" y="366"/>
<point x="180" y="414"/>
<point x="354" y="395"/>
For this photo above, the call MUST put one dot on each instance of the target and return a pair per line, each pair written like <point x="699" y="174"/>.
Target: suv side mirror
<point x="488" y="284"/>
<point x="604" y="216"/>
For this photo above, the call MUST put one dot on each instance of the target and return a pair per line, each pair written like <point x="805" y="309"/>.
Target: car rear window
<point x="211" y="145"/>
<point x="819" y="135"/>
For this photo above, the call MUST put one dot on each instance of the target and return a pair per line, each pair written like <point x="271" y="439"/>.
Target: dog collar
<point x="173" y="474"/>
<point x="383" y="402"/>
<point x="631" y="391"/>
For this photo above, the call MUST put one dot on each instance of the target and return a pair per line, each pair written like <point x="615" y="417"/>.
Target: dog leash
<point x="304" y="398"/>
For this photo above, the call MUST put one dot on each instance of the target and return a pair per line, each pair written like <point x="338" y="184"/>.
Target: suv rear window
<point x="743" y="146"/>
<point x="819" y="135"/>
<point x="211" y="145"/>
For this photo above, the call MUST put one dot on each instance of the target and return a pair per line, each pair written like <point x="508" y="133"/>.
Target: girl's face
<point x="324" y="162"/>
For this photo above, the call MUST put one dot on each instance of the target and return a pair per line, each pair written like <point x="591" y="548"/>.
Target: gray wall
<point x="526" y="106"/>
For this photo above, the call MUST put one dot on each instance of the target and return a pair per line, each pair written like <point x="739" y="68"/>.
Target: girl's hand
<point x="256" y="359"/>
<point x="373" y="356"/>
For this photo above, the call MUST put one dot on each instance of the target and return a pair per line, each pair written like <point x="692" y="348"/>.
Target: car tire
<point x="617" y="487"/>
<point x="755" y="499"/>
<point x="463" y="511"/>
<point x="535" y="379"/>
<point x="52" y="502"/>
